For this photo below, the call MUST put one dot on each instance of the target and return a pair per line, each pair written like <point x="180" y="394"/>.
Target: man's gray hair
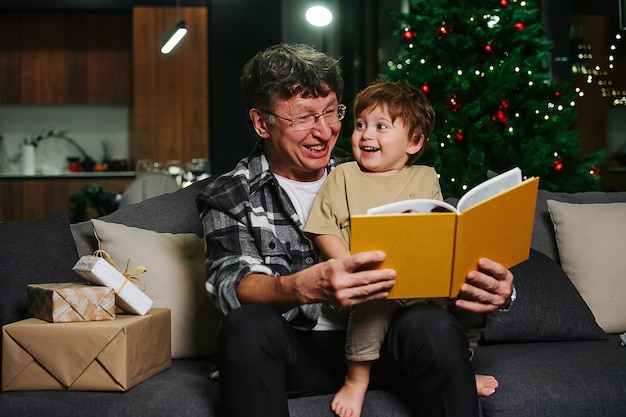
<point x="286" y="70"/>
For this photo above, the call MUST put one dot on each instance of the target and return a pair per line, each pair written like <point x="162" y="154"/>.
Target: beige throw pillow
<point x="591" y="239"/>
<point x="175" y="279"/>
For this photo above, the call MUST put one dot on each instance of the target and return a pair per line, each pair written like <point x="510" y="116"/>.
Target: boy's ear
<point x="415" y="144"/>
<point x="258" y="123"/>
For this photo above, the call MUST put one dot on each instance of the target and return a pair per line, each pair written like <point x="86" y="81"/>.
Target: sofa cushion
<point x="591" y="240"/>
<point x="33" y="251"/>
<point x="182" y="391"/>
<point x="573" y="379"/>
<point x="175" y="279"/>
<point x="548" y="307"/>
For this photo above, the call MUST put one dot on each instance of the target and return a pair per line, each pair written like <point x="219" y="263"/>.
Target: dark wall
<point x="237" y="30"/>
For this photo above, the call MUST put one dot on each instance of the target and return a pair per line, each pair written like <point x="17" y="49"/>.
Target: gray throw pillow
<point x="548" y="307"/>
<point x="33" y="251"/>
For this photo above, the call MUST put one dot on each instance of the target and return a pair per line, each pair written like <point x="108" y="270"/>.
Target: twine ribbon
<point x="130" y="276"/>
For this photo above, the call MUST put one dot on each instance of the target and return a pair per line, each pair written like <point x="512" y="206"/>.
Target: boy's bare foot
<point x="349" y="400"/>
<point x="486" y="385"/>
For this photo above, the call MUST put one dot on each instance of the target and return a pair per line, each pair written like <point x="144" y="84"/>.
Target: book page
<point x="491" y="187"/>
<point x="419" y="205"/>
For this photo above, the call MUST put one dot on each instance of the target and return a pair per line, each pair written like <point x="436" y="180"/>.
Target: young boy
<point x="392" y="123"/>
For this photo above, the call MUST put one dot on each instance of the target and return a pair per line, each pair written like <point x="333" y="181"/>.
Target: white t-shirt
<point x="302" y="195"/>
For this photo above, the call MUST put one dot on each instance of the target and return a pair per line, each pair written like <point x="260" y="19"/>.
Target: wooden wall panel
<point x="65" y="57"/>
<point x="10" y="65"/>
<point x="170" y="92"/>
<point x="53" y="65"/>
<point x="108" y="58"/>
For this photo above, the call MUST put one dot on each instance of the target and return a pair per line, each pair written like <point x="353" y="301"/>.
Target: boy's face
<point x="379" y="145"/>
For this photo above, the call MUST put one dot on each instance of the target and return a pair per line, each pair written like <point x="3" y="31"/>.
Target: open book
<point x="432" y="245"/>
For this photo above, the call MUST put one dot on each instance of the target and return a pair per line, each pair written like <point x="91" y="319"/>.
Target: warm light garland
<point x="598" y="75"/>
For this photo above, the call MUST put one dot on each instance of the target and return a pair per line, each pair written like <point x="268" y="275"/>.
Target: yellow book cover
<point x="432" y="245"/>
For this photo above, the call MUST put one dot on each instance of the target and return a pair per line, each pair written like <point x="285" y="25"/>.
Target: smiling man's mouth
<point x="315" y="148"/>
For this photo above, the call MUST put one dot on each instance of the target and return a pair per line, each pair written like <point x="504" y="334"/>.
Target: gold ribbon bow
<point x="131" y="276"/>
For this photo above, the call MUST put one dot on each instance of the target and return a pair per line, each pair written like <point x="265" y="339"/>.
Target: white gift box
<point x="100" y="272"/>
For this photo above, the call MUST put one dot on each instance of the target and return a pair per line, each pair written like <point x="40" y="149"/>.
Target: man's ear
<point x="415" y="144"/>
<point x="258" y="123"/>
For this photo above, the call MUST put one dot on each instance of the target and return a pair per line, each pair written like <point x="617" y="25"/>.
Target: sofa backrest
<point x="167" y="213"/>
<point x="177" y="213"/>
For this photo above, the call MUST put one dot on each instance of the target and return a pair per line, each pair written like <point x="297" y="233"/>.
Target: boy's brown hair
<point x="403" y="101"/>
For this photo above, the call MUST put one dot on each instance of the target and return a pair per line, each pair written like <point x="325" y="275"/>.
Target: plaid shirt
<point x="251" y="226"/>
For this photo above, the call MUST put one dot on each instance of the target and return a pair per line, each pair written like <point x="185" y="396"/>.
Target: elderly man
<point x="281" y="337"/>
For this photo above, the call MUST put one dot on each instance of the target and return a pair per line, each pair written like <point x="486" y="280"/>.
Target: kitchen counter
<point x="26" y="197"/>
<point x="68" y="175"/>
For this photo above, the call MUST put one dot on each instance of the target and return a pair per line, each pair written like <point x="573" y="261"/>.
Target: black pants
<point x="263" y="361"/>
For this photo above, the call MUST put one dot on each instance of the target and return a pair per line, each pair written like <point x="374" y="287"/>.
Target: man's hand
<point x="350" y="281"/>
<point x="486" y="289"/>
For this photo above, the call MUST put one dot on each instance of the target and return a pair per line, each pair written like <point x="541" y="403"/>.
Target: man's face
<point x="301" y="155"/>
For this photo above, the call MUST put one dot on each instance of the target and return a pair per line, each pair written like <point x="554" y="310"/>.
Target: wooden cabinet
<point x="170" y="111"/>
<point x="39" y="197"/>
<point x="65" y="57"/>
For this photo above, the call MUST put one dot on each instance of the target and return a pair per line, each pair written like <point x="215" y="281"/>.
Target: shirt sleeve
<point x="327" y="216"/>
<point x="231" y="250"/>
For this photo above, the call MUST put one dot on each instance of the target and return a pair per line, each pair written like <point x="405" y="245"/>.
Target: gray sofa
<point x="550" y="356"/>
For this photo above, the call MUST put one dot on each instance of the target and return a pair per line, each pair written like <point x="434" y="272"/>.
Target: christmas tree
<point x="484" y="66"/>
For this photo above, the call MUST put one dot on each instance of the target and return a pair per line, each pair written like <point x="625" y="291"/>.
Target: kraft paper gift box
<point x="71" y="301"/>
<point x="112" y="355"/>
<point x="99" y="271"/>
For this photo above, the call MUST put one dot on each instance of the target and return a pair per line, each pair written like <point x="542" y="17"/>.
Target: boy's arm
<point x="332" y="247"/>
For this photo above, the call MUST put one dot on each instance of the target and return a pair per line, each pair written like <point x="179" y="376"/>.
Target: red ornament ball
<point x="489" y="48"/>
<point x="459" y="136"/>
<point x="453" y="104"/>
<point x="500" y="116"/>
<point x="504" y="3"/>
<point x="409" y="35"/>
<point x="505" y="104"/>
<point x="519" y="25"/>
<point x="425" y="88"/>
<point x="558" y="164"/>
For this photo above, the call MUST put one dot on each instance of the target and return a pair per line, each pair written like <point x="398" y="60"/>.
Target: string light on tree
<point x="443" y="30"/>
<point x="454" y="103"/>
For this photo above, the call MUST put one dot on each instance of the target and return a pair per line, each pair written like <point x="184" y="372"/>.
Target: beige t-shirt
<point x="348" y="191"/>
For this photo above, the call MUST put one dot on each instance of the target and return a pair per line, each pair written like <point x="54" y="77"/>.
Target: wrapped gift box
<point x="112" y="355"/>
<point x="71" y="301"/>
<point x="100" y="272"/>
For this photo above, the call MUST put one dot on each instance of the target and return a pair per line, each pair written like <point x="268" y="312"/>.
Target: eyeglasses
<point x="308" y="122"/>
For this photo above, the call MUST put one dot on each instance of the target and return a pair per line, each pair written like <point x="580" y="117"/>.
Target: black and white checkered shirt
<point x="250" y="226"/>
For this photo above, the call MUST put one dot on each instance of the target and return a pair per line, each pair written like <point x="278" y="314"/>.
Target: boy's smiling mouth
<point x="370" y="149"/>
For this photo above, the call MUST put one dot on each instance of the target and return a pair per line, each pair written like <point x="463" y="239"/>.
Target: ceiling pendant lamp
<point x="175" y="35"/>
